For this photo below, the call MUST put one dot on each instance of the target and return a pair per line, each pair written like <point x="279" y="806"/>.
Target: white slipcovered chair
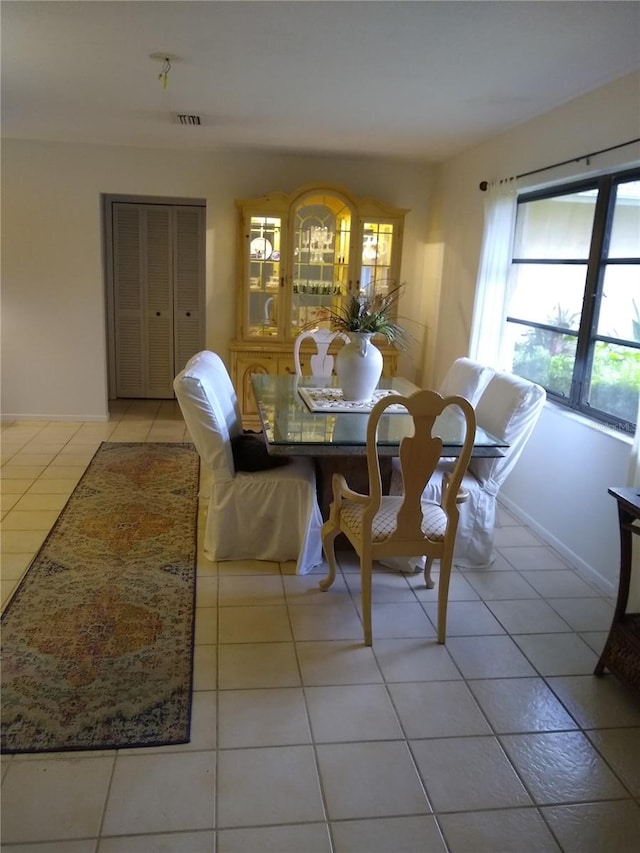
<point x="269" y="514"/>
<point x="380" y="526"/>
<point x="321" y="362"/>
<point x="509" y="408"/>
<point x="466" y="377"/>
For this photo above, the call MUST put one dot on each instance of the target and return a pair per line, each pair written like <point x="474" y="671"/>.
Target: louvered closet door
<point x="158" y="295"/>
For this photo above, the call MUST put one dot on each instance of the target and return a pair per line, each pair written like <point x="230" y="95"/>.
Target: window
<point x="573" y="318"/>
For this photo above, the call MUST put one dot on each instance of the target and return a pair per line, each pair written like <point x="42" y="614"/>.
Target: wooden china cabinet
<point x="300" y="255"/>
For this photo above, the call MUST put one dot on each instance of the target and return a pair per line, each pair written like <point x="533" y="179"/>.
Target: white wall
<point x="560" y="483"/>
<point x="53" y="318"/>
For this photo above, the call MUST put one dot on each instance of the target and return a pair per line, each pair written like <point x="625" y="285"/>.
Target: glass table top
<point x="291" y="427"/>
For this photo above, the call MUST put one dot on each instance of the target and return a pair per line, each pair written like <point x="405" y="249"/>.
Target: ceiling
<point x="415" y="80"/>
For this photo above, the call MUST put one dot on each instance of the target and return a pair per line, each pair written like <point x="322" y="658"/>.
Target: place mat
<point x="331" y="401"/>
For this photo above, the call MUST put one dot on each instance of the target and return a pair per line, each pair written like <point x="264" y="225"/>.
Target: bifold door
<point x="158" y="294"/>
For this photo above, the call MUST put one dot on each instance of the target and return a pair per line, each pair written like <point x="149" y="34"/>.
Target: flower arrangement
<point x="371" y="314"/>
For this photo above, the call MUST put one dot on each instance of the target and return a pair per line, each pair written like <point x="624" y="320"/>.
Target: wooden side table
<point x="621" y="653"/>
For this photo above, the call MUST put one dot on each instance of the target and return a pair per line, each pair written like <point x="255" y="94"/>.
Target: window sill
<point x="610" y="431"/>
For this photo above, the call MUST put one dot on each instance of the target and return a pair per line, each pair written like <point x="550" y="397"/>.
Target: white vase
<point x="358" y="367"/>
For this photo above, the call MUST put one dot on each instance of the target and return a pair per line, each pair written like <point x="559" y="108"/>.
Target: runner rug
<point x="97" y="642"/>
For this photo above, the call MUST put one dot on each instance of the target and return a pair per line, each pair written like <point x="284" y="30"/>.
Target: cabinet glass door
<point x="376" y="257"/>
<point x="264" y="290"/>
<point x="322" y="240"/>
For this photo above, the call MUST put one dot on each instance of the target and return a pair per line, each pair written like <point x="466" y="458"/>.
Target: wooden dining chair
<point x="378" y="525"/>
<point x="321" y="362"/>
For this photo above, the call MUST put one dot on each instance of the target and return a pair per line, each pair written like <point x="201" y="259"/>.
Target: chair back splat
<point x="321" y="362"/>
<point x="380" y="526"/>
<point x="266" y="514"/>
<point x="509" y="408"/>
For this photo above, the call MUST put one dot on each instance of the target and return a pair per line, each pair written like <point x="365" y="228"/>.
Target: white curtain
<point x="492" y="286"/>
<point x="634" y="465"/>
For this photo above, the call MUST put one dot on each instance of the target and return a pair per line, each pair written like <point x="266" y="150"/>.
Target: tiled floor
<point x="303" y="740"/>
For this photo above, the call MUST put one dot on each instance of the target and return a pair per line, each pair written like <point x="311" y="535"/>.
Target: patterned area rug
<point x="97" y="642"/>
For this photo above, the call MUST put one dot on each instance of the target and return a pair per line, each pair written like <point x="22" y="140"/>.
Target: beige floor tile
<point x="613" y="827"/>
<point x="595" y="640"/>
<point x="273" y="717"/>
<point x="206" y="590"/>
<point x="7" y="503"/>
<point x="386" y="587"/>
<point x="415" y="660"/>
<point x="534" y="558"/>
<point x="45" y="799"/>
<point x="30" y="520"/>
<point x="248" y="567"/>
<point x="515" y="535"/>
<point x="85" y="845"/>
<point x="13" y="471"/>
<point x="366" y="780"/>
<point x="527" y="616"/>
<point x="468" y="774"/>
<point x="305" y="589"/>
<point x="597" y="702"/>
<point x="562" y="767"/>
<point x="57" y="486"/>
<point x="13" y="566"/>
<point x="41" y="502"/>
<point x="268" y="786"/>
<point x="466" y="618"/>
<point x="585" y="614"/>
<point x="307" y="837"/>
<point x="170" y="842"/>
<point x="521" y="705"/>
<point x="557" y="654"/>
<point x="406" y="834"/>
<point x="400" y="621"/>
<point x="63" y="472"/>
<point x="7" y="589"/>
<point x="621" y="750"/>
<point x="249" y="590"/>
<point x="496" y="586"/>
<point x="253" y="624"/>
<point x="351" y="712"/>
<point x="248" y="665"/>
<point x="502" y="830"/>
<point x="331" y="620"/>
<point x="157" y="793"/>
<point x="488" y="657"/>
<point x="504" y="518"/>
<point x="337" y="662"/>
<point x="560" y="584"/>
<point x="206" y="630"/>
<point x="205" y="667"/>
<point x="74" y="457"/>
<point x="459" y="588"/>
<point x="437" y="709"/>
<point x="33" y="458"/>
<point x="11" y="486"/>
<point x="22" y="541"/>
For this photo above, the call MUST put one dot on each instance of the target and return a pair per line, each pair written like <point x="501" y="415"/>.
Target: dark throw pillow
<point x="250" y="453"/>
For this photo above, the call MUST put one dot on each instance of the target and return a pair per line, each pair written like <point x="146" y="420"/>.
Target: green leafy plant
<point x="374" y="314"/>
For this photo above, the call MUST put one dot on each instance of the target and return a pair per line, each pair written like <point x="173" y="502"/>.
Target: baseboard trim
<point x="583" y="568"/>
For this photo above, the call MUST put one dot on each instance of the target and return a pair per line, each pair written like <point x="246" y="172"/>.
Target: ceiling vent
<point x="188" y="119"/>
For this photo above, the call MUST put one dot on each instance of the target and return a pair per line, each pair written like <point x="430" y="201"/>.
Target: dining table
<point x="307" y="416"/>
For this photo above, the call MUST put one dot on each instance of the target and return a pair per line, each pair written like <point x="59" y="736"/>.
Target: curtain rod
<point x="484" y="185"/>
